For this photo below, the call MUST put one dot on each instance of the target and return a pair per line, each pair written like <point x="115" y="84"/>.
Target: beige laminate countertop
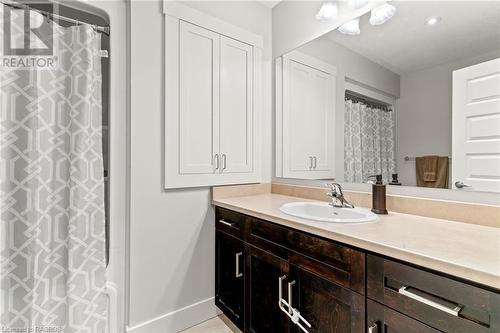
<point x="468" y="251"/>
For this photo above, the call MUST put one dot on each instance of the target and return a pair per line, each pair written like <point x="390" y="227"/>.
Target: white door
<point x="198" y="99"/>
<point x="308" y="111"/>
<point x="236" y="107"/>
<point x="476" y="127"/>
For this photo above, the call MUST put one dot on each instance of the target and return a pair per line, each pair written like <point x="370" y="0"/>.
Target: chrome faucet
<point x="337" y="196"/>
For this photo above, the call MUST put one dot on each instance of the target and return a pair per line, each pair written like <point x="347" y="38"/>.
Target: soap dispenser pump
<point x="378" y="196"/>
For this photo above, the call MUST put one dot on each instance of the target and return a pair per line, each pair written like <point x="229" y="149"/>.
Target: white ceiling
<point x="405" y="43"/>
<point x="270" y="3"/>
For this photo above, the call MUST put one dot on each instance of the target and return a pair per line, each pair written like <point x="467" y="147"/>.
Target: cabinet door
<point x="229" y="288"/>
<point x="262" y="273"/>
<point x="198" y="99"/>
<point x="308" y="113"/>
<point x="328" y="307"/>
<point x="236" y="107"/>
<point x="381" y="319"/>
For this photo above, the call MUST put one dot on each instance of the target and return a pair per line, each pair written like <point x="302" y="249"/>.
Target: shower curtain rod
<point x="98" y="28"/>
<point x="357" y="97"/>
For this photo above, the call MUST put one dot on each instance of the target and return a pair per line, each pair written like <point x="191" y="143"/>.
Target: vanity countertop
<point x="468" y="251"/>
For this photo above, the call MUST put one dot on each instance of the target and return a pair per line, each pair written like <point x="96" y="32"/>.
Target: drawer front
<point x="334" y="262"/>
<point x="443" y="303"/>
<point x="229" y="222"/>
<point x="381" y="319"/>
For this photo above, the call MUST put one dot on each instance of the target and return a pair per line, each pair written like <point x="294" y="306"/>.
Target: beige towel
<point x="423" y="166"/>
<point x="428" y="166"/>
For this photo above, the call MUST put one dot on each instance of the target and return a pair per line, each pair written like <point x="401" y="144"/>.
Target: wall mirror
<point x="410" y="90"/>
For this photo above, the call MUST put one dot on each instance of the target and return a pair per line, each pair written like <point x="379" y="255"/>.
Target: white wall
<point x="350" y="65"/>
<point x="424" y="114"/>
<point x="172" y="232"/>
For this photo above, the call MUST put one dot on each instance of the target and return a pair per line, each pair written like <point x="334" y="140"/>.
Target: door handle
<point x="310" y="162"/>
<point x="460" y="184"/>
<point x="237" y="259"/>
<point x="315" y="161"/>
<point x="455" y="311"/>
<point x="216" y="157"/>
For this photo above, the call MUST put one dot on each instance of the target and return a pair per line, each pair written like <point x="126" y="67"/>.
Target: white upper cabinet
<point x="212" y="101"/>
<point x="236" y="106"/>
<point x="307" y="107"/>
<point x="198" y="99"/>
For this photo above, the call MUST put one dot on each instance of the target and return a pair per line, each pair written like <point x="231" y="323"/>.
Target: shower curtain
<point x="52" y="228"/>
<point x="369" y="144"/>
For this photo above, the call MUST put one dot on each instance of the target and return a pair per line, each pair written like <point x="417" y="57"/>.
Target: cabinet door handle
<point x="229" y="224"/>
<point x="237" y="259"/>
<point x="310" y="162"/>
<point x="373" y="328"/>
<point x="280" y="290"/>
<point x="315" y="162"/>
<point x="455" y="311"/>
<point x="216" y="157"/>
<point x="223" y="161"/>
<point x="287" y="308"/>
<point x="290" y="290"/>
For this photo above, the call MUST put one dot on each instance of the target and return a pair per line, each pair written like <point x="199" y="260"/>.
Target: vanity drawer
<point x="230" y="222"/>
<point x="443" y="303"/>
<point x="330" y="260"/>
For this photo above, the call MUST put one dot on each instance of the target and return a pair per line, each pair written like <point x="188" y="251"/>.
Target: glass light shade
<point x="357" y="3"/>
<point x="327" y="12"/>
<point x="350" y="28"/>
<point x="382" y="14"/>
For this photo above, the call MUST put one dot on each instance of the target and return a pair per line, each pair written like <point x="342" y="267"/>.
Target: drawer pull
<point x="229" y="224"/>
<point x="455" y="311"/>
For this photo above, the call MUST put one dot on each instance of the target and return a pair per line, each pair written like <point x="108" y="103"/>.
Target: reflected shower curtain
<point x="52" y="229"/>
<point x="369" y="144"/>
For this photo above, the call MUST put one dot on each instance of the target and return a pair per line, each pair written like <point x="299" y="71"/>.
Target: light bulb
<point x="350" y="28"/>
<point x="327" y="12"/>
<point x="357" y="3"/>
<point x="382" y="14"/>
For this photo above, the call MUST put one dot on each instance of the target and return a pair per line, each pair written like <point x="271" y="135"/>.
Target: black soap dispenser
<point x="378" y="196"/>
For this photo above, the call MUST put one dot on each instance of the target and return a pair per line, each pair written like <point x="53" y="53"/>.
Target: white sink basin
<point x="322" y="211"/>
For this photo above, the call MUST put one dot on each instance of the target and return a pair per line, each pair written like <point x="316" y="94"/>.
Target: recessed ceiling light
<point x="433" y="20"/>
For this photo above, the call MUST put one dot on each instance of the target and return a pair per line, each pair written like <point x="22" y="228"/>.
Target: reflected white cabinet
<point x="305" y="117"/>
<point x="211" y="113"/>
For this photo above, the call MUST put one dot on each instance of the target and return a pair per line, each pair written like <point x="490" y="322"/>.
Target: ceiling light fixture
<point x="433" y="20"/>
<point x="381" y="14"/>
<point x="351" y="27"/>
<point x="327" y="12"/>
<point x="357" y="3"/>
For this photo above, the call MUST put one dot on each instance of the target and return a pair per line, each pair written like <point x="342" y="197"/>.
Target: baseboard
<point x="178" y="320"/>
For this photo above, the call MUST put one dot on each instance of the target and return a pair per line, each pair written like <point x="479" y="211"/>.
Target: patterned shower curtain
<point x="52" y="228"/>
<point x="369" y="144"/>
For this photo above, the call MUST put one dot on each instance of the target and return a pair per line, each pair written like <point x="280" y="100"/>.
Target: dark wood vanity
<point x="264" y="270"/>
